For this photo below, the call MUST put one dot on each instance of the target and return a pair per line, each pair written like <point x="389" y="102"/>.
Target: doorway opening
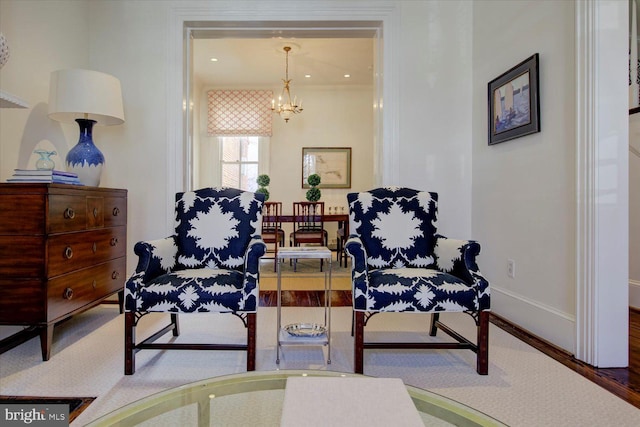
<point x="319" y="47"/>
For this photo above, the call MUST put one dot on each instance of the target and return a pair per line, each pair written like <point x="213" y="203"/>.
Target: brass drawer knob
<point x="113" y="241"/>
<point x="94" y="248"/>
<point x="67" y="294"/>
<point x="94" y="284"/>
<point x="68" y="252"/>
<point x="95" y="212"/>
<point x="69" y="213"/>
<point x="115" y="211"/>
<point x="115" y="275"/>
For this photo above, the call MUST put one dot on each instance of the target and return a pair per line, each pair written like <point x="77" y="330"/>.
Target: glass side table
<point x="305" y="333"/>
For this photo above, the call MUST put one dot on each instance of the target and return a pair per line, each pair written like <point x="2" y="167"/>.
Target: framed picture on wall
<point x="333" y="164"/>
<point x="514" y="102"/>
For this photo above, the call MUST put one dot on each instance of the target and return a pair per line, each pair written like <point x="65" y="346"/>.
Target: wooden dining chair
<point x="308" y="226"/>
<point x="272" y="231"/>
<point x="341" y="257"/>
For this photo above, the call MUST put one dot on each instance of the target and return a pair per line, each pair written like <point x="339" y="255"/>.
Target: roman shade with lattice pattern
<point x="239" y="112"/>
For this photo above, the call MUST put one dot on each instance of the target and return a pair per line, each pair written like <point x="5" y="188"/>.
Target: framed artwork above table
<point x="333" y="164"/>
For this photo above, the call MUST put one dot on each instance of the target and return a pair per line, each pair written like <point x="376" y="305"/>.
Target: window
<point x="240" y="157"/>
<point x="239" y="125"/>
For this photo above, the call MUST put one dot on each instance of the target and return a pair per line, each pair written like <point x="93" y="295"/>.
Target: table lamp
<point x="88" y="98"/>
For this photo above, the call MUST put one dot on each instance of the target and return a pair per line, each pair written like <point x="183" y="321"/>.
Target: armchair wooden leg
<point x="353" y="322"/>
<point x="483" y="343"/>
<point x="129" y="343"/>
<point x="176" y="324"/>
<point x="358" y="350"/>
<point x="121" y="301"/>
<point x="251" y="341"/>
<point x="434" y="328"/>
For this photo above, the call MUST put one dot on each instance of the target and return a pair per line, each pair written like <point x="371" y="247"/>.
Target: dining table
<point x="341" y="218"/>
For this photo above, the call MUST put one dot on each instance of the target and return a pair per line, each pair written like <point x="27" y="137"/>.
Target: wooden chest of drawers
<point x="62" y="251"/>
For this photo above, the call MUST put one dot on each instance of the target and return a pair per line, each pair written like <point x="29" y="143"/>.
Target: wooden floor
<point x="623" y="382"/>
<point x="304" y="298"/>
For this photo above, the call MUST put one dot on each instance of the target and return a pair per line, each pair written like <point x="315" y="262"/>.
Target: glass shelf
<point x="10" y="101"/>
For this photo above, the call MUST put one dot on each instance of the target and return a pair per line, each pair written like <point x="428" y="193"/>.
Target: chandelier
<point x="286" y="108"/>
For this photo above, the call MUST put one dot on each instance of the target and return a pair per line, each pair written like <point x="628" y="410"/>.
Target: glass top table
<point x="256" y="398"/>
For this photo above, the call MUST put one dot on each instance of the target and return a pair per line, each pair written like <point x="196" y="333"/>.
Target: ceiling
<point x="260" y="62"/>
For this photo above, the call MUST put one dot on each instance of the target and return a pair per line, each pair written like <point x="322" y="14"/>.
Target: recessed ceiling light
<point x="347" y="75"/>
<point x="307" y="76"/>
<point x="214" y="59"/>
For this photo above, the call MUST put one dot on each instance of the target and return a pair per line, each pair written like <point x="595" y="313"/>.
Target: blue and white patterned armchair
<point x="210" y="264"/>
<point x="400" y="264"/>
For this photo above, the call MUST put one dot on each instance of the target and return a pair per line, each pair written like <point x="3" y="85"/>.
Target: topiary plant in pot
<point x="263" y="181"/>
<point x="313" y="194"/>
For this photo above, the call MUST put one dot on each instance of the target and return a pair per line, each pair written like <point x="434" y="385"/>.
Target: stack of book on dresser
<point x="46" y="176"/>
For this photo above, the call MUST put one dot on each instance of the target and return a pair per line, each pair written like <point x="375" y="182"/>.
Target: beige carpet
<point x="524" y="387"/>
<point x="306" y="277"/>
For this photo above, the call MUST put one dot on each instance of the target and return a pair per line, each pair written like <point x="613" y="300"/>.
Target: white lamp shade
<point x="85" y="94"/>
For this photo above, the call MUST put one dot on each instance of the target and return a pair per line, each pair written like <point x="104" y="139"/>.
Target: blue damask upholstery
<point x="210" y="264"/>
<point x="400" y="264"/>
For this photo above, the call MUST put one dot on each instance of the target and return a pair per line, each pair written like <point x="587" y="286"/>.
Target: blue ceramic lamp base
<point x="85" y="159"/>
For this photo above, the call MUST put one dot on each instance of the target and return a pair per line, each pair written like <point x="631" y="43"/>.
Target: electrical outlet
<point x="511" y="268"/>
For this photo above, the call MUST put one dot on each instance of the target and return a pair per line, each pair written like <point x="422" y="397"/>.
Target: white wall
<point x="332" y="117"/>
<point x="634" y="211"/>
<point x="522" y="203"/>
<point x="603" y="182"/>
<point x="37" y="47"/>
<point x="524" y="189"/>
<point x="130" y="39"/>
<point x="339" y="116"/>
<point x="435" y="108"/>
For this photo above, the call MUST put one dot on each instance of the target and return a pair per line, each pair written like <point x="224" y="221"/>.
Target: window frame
<point x="262" y="162"/>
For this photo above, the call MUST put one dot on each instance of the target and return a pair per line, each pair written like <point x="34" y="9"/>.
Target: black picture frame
<point x="514" y="102"/>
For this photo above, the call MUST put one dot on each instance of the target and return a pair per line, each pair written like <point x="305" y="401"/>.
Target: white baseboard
<point x="634" y="294"/>
<point x="545" y="322"/>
